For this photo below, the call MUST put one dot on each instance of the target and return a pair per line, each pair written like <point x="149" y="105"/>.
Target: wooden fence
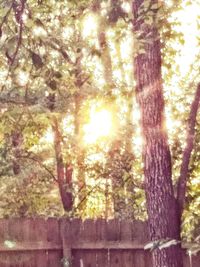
<point x="55" y="242"/>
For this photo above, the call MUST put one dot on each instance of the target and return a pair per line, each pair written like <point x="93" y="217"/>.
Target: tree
<point x="56" y="71"/>
<point x="164" y="210"/>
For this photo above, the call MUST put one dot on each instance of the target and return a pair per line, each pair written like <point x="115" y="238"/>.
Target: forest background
<point x="70" y="131"/>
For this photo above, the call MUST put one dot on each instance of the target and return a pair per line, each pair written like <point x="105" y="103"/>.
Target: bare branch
<point x="18" y="101"/>
<point x="182" y="182"/>
<point x="97" y="186"/>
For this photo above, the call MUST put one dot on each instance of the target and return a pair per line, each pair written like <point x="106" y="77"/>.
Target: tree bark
<point x="182" y="182"/>
<point x="64" y="173"/>
<point x="163" y="219"/>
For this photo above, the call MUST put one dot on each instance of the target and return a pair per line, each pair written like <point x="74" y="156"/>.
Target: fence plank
<point x="127" y="258"/>
<point x="88" y="234"/>
<point x="53" y="235"/>
<point x="4" y="235"/>
<point x="16" y="235"/>
<point x="39" y="230"/>
<point x="77" y="258"/>
<point x="115" y="258"/>
<point x="113" y="234"/>
<point x="113" y="230"/>
<point x="139" y="259"/>
<point x="139" y="234"/>
<point x="26" y="225"/>
<point x="126" y="236"/>
<point x="195" y="260"/>
<point x="102" y="258"/>
<point x="126" y="230"/>
<point x="101" y="254"/>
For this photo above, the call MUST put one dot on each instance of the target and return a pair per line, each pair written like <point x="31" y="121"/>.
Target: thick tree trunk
<point x="163" y="219"/>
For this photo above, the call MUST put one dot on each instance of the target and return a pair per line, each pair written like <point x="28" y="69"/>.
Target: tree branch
<point x="54" y="45"/>
<point x="18" y="16"/>
<point x="182" y="182"/>
<point x="18" y="101"/>
<point x="6" y="16"/>
<point x="41" y="165"/>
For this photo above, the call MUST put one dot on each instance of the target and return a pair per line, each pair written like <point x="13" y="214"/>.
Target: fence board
<point x="15" y="236"/>
<point x="102" y="255"/>
<point x="127" y="258"/>
<point x="102" y="258"/>
<point x="29" y="258"/>
<point x="39" y="228"/>
<point x="53" y="235"/>
<point x="115" y="258"/>
<point x="87" y="234"/>
<point x="77" y="259"/>
<point x="139" y="259"/>
<point x="113" y="230"/>
<point x="126" y="237"/>
<point x="4" y="235"/>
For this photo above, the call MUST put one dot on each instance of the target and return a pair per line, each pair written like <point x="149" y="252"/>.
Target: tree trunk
<point x="80" y="153"/>
<point x="64" y="173"/>
<point x="17" y="140"/>
<point x="114" y="160"/>
<point x="182" y="182"/>
<point x="163" y="219"/>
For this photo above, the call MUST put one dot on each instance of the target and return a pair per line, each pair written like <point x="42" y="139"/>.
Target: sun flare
<point x="89" y="26"/>
<point x="99" y="126"/>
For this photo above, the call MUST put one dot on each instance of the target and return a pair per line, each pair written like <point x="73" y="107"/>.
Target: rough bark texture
<point x="163" y="219"/>
<point x="182" y="182"/>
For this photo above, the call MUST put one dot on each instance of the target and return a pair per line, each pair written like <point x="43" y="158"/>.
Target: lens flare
<point x="99" y="126"/>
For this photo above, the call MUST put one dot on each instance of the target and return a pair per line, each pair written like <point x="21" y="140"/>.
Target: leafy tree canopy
<point x="73" y="61"/>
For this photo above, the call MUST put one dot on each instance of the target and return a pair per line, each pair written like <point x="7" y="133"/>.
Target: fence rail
<point x="90" y="243"/>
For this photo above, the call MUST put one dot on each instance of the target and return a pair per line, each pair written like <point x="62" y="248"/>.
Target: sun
<point x="99" y="126"/>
